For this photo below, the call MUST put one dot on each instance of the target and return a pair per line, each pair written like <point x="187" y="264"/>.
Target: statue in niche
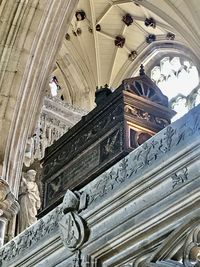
<point x="29" y="200"/>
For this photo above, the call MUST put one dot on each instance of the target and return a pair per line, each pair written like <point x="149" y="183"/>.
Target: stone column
<point x="8" y="207"/>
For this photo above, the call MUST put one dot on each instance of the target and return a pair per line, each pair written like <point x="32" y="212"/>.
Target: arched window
<point x="178" y="78"/>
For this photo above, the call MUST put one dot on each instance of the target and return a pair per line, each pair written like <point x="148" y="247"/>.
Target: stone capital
<point x="8" y="203"/>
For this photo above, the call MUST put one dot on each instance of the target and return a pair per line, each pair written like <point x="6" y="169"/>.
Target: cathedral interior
<point x="99" y="133"/>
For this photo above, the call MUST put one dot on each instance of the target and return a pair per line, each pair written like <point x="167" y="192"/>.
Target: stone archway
<point x="32" y="32"/>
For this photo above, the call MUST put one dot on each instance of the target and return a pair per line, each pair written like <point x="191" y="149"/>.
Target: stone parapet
<point x="128" y="211"/>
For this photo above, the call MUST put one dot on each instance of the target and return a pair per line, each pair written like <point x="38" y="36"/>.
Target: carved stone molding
<point x="73" y="230"/>
<point x="184" y="242"/>
<point x="191" y="253"/>
<point x="167" y="141"/>
<point x="31" y="236"/>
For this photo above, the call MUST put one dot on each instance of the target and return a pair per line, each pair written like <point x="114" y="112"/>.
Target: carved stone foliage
<point x="150" y="22"/>
<point x="164" y="142"/>
<point x="180" y="177"/>
<point x="80" y="15"/>
<point x="132" y="55"/>
<point x="119" y="41"/>
<point x="170" y="36"/>
<point x="127" y="19"/>
<point x="150" y="38"/>
<point x="31" y="236"/>
<point x="73" y="230"/>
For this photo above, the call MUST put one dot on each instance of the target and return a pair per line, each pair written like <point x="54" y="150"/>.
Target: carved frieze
<point x="71" y="149"/>
<point x="145" y="155"/>
<point x="85" y="165"/>
<point x="172" y="139"/>
<point x="31" y="235"/>
<point x="142" y="114"/>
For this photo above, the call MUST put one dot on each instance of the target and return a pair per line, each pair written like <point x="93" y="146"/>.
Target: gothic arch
<point x="32" y="32"/>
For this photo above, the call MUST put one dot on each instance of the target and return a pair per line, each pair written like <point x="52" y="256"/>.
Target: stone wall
<point x="125" y="214"/>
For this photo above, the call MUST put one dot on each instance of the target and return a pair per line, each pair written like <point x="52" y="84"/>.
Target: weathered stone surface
<point x="130" y="210"/>
<point x="31" y="34"/>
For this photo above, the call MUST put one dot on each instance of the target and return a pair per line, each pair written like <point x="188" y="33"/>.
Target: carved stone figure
<point x="29" y="199"/>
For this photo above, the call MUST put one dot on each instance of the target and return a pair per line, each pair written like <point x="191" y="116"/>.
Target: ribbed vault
<point x="90" y="58"/>
<point x="32" y="32"/>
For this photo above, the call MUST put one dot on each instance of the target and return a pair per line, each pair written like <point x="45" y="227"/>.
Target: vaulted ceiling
<point x="34" y="44"/>
<point x="89" y="56"/>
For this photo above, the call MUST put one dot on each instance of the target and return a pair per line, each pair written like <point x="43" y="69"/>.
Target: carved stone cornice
<point x="58" y="219"/>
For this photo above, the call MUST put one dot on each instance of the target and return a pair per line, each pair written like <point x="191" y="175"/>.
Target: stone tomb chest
<point x="121" y="122"/>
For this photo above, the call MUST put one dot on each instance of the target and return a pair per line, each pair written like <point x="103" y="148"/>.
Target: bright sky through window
<point x="178" y="80"/>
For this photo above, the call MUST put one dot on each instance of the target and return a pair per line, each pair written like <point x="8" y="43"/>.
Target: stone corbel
<point x="73" y="229"/>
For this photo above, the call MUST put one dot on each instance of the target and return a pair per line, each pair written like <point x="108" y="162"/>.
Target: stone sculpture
<point x="29" y="199"/>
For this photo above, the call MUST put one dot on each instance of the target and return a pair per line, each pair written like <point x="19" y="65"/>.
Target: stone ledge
<point x="176" y="148"/>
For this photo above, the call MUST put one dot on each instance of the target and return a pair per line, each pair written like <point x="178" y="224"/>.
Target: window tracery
<point x="178" y="78"/>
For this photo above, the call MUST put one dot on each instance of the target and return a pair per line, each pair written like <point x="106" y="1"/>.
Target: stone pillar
<point x="8" y="207"/>
<point x="2" y="230"/>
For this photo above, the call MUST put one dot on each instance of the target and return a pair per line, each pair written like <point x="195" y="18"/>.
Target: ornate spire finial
<point x="142" y="70"/>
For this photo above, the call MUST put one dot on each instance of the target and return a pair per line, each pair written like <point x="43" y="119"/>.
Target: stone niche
<point x="121" y="122"/>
